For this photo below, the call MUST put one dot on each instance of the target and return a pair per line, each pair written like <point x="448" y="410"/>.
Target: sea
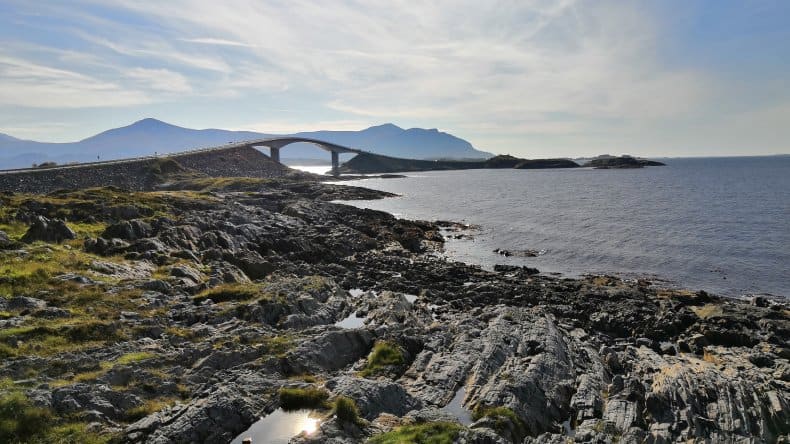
<point x="716" y="224"/>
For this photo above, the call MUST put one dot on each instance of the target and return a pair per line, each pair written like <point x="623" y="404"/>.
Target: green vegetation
<point x="229" y="292"/>
<point x="384" y="354"/>
<point x="206" y="184"/>
<point x="346" y="410"/>
<point x="312" y="379"/>
<point x="148" y="407"/>
<point x="19" y="419"/>
<point x="47" y="337"/>
<point x="131" y="358"/>
<point x="303" y="398"/>
<point x="502" y="416"/>
<point x="23" y="422"/>
<point x="428" y="433"/>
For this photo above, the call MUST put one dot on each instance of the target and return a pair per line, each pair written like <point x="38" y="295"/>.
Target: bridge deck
<point x="272" y="142"/>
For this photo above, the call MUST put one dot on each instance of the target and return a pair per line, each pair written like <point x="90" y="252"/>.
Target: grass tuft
<point x="346" y="410"/>
<point x="228" y="292"/>
<point x="131" y="358"/>
<point x="383" y="355"/>
<point x="303" y="398"/>
<point x="502" y="416"/>
<point x="428" y="433"/>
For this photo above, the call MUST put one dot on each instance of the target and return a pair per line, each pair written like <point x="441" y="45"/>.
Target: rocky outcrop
<point x="48" y="230"/>
<point x="180" y="324"/>
<point x="621" y="162"/>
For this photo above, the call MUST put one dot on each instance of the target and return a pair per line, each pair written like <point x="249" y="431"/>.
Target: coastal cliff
<point x="187" y="314"/>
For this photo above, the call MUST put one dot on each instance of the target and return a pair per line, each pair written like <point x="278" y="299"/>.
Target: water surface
<point x="718" y="224"/>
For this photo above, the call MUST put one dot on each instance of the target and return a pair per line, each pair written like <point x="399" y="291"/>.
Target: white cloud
<point x="33" y="85"/>
<point x="503" y="74"/>
<point x="160" y="80"/>
<point x="219" y="42"/>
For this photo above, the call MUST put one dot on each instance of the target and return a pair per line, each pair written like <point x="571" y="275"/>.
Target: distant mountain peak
<point x="150" y="122"/>
<point x="385" y="126"/>
<point x="7" y="138"/>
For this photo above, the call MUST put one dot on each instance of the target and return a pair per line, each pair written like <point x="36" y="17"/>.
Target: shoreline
<point x="211" y="298"/>
<point x="711" y="273"/>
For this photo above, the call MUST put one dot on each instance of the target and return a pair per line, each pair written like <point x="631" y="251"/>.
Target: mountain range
<point x="152" y="136"/>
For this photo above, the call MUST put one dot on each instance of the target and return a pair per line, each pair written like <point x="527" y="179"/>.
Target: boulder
<point x="5" y="242"/>
<point x="128" y="230"/>
<point x="48" y="230"/>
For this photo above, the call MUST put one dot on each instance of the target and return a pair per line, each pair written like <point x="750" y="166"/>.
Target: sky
<point x="531" y="78"/>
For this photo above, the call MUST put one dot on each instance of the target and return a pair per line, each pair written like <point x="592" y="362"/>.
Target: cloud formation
<point x="527" y="77"/>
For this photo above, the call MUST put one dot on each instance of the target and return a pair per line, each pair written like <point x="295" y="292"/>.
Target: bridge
<point x="274" y="144"/>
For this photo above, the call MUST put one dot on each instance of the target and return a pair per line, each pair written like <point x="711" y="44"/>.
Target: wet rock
<point x="48" y="230"/>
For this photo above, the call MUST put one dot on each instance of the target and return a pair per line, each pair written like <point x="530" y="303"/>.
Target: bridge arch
<point x="276" y="143"/>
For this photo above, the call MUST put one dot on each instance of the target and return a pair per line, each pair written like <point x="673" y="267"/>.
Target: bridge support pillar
<point x="335" y="163"/>
<point x="274" y="153"/>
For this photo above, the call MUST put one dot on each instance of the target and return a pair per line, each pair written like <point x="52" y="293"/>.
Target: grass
<point x="708" y="311"/>
<point x="346" y="410"/>
<point x="104" y="367"/>
<point x="303" y="398"/>
<point x="33" y="272"/>
<point x="228" y="292"/>
<point x="427" y="433"/>
<point x="23" y="422"/>
<point x="20" y="420"/>
<point x="207" y="184"/>
<point x="131" y="358"/>
<point x="502" y="416"/>
<point x="148" y="407"/>
<point x="47" y="338"/>
<point x="383" y="355"/>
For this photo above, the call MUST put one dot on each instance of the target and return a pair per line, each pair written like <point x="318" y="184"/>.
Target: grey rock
<point x="375" y="397"/>
<point x="5" y="242"/>
<point x="331" y="350"/>
<point x="48" y="230"/>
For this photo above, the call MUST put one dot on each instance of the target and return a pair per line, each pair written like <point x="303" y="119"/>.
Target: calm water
<point x="718" y="224"/>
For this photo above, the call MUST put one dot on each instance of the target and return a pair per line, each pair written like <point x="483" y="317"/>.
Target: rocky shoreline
<point x="182" y="315"/>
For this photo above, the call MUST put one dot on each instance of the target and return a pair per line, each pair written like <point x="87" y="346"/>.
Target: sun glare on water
<point x="307" y="425"/>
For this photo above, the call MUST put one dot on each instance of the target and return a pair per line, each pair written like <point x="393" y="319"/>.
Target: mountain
<point x="150" y="136"/>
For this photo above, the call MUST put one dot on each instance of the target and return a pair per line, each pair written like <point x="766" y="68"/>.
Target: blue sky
<point x="527" y="77"/>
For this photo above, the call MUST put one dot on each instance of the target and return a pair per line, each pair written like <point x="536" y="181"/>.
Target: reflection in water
<point x="280" y="426"/>
<point x="456" y="407"/>
<point x="351" y="321"/>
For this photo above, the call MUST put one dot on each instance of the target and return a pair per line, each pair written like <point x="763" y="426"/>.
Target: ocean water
<point x="716" y="224"/>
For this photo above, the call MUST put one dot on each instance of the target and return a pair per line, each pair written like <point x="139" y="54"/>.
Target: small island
<point x="606" y="162"/>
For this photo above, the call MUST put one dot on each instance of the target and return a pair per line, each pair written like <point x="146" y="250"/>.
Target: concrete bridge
<point x="276" y="143"/>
